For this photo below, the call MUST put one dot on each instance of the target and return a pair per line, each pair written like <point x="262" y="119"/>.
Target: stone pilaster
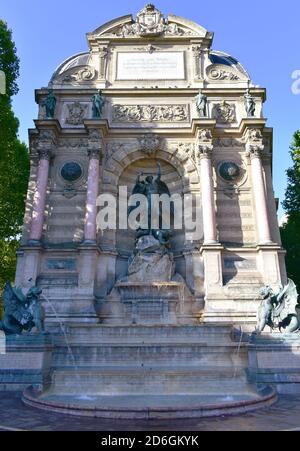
<point x="103" y="55"/>
<point x="196" y="49"/>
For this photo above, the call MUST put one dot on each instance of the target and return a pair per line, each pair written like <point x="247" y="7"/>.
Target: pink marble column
<point x="90" y="227"/>
<point x="259" y="191"/>
<point x="208" y="198"/>
<point x="39" y="200"/>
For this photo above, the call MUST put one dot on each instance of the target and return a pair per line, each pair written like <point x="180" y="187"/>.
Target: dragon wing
<point x="162" y="187"/>
<point x="288" y="303"/>
<point x="13" y="299"/>
<point x="139" y="188"/>
<point x="291" y="298"/>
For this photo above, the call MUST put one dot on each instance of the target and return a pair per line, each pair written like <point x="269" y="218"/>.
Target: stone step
<point x="145" y="334"/>
<point x="150" y="381"/>
<point x="138" y="354"/>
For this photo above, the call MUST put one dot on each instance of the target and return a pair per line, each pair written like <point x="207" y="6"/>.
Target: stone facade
<point x="149" y="76"/>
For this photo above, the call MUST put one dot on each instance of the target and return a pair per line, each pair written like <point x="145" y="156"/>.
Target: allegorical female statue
<point x="148" y="187"/>
<point x="50" y="104"/>
<point x="201" y="104"/>
<point x="250" y="104"/>
<point x="98" y="104"/>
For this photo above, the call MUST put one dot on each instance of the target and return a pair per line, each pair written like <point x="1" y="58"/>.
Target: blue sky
<point x="262" y="34"/>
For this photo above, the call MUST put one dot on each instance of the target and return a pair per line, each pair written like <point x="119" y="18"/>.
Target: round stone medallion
<point x="71" y="171"/>
<point x="230" y="171"/>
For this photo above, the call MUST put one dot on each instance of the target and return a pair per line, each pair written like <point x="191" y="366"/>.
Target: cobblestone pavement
<point x="284" y="415"/>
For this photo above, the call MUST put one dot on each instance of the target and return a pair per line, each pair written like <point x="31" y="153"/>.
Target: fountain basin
<point x="152" y="407"/>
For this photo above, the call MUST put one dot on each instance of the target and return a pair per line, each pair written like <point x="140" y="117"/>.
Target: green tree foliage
<point x="290" y="232"/>
<point x="14" y="161"/>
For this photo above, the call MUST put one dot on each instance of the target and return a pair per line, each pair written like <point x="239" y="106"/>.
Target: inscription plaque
<point x="150" y="66"/>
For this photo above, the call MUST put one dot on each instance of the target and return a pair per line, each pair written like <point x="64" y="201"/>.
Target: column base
<point x="89" y="243"/>
<point x="34" y="243"/>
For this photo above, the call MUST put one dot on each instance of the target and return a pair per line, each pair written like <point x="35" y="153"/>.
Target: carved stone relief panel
<point x="150" y="113"/>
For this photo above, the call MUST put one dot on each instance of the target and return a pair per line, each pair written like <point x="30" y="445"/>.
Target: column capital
<point x="95" y="143"/>
<point x="205" y="143"/>
<point x="46" y="141"/>
<point x="254" y="142"/>
<point x="94" y="153"/>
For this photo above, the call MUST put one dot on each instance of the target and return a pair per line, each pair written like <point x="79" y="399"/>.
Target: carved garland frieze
<point x="150" y="113"/>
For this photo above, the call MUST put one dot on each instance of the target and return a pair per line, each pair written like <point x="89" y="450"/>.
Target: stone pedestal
<point x="26" y="361"/>
<point x="274" y="359"/>
<point x="155" y="303"/>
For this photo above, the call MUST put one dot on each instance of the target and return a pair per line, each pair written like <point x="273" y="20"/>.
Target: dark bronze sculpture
<point x="250" y="104"/>
<point x="148" y="187"/>
<point x="201" y="104"/>
<point x="278" y="310"/>
<point x="98" y="104"/>
<point x="22" y="313"/>
<point x="50" y="104"/>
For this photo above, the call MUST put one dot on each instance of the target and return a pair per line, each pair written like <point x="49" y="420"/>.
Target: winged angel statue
<point x="22" y="313"/>
<point x="149" y="187"/>
<point x="278" y="310"/>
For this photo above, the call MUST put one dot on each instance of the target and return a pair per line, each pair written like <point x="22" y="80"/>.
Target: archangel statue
<point x="148" y="187"/>
<point x="22" y="313"/>
<point x="50" y="104"/>
<point x="278" y="310"/>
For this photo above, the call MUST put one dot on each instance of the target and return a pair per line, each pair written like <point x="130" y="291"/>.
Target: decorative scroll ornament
<point x="77" y="113"/>
<point x="150" y="143"/>
<point x="150" y="113"/>
<point x="150" y="22"/>
<point x="218" y="73"/>
<point x="86" y="73"/>
<point x="224" y="112"/>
